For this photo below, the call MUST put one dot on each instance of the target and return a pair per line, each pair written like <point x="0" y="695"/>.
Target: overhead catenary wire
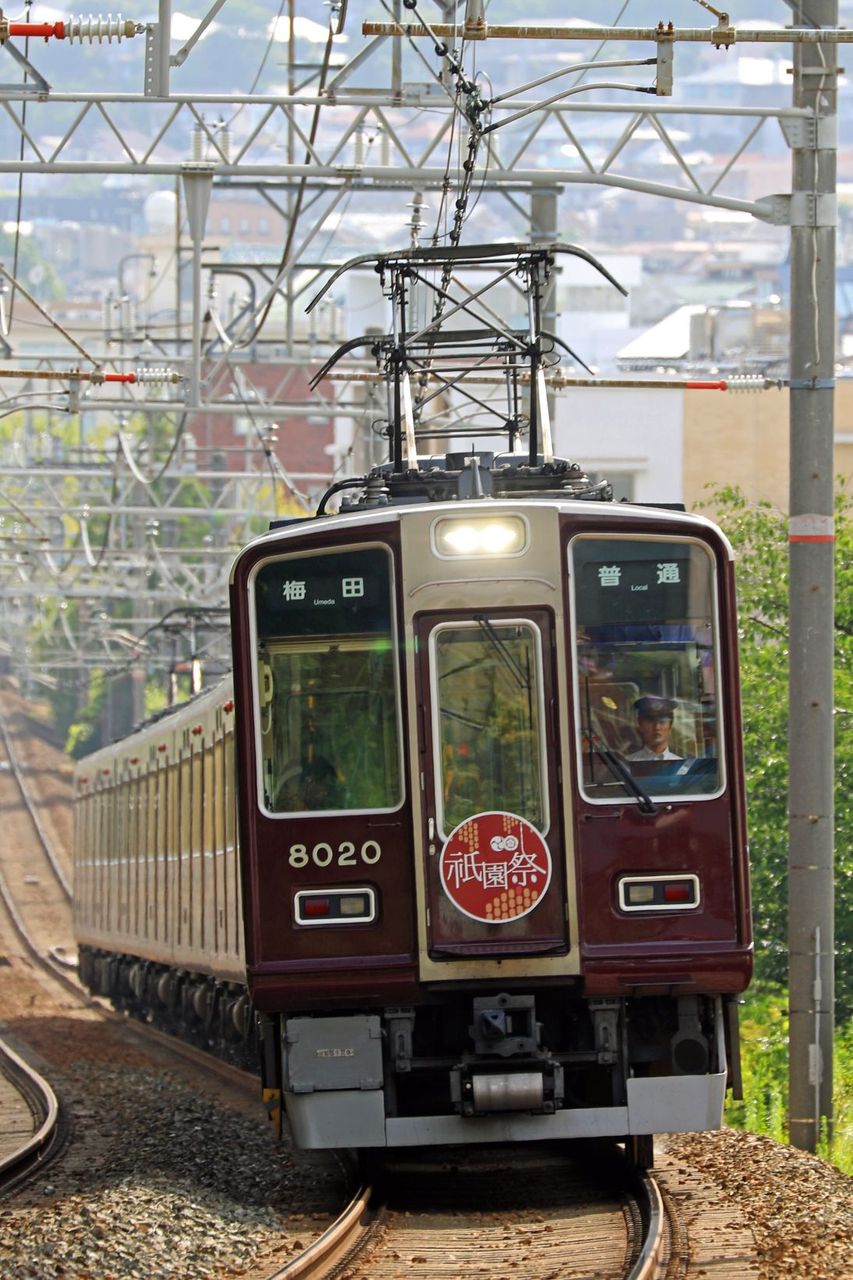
<point x="284" y="264"/>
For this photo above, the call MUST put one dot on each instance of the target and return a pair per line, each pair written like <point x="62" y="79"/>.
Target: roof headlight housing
<point x="480" y="536"/>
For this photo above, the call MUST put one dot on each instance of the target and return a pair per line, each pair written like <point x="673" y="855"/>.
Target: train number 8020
<point x="346" y="854"/>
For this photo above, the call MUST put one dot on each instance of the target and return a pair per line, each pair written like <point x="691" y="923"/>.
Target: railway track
<point x="35" y="891"/>
<point x="35" y="903"/>
<point x="399" y="1225"/>
<point x="538" y="1214"/>
<point x="31" y="1132"/>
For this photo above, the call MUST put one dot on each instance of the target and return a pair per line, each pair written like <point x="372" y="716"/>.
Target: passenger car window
<point x="327" y="687"/>
<point x="646" y="667"/>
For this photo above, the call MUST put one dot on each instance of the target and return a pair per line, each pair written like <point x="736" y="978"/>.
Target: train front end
<point x="484" y="900"/>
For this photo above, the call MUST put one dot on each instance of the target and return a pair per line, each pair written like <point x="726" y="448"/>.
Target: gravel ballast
<point x="158" y="1180"/>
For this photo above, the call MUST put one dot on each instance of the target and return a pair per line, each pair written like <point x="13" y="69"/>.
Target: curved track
<point x="656" y="1232"/>
<point x="44" y="840"/>
<point x="36" y="893"/>
<point x="628" y="1231"/>
<point x="539" y="1213"/>
<point x="340" y="1243"/>
<point x="29" y="1103"/>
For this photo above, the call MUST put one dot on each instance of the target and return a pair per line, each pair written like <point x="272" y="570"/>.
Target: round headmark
<point x="495" y="867"/>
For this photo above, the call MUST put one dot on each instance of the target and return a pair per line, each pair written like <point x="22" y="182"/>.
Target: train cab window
<point x="327" y="687"/>
<point x="646" y="668"/>
<point x="488" y="720"/>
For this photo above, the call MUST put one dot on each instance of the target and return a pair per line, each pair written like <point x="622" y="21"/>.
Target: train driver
<point x="654" y="725"/>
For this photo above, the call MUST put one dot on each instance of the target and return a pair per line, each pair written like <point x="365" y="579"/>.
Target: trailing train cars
<point x="484" y="733"/>
<point x="157" y="896"/>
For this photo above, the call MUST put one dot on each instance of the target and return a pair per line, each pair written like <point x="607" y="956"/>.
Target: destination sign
<point x="341" y="593"/>
<point x="623" y="582"/>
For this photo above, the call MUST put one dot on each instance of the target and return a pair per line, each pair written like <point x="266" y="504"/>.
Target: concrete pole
<point x="810" y="886"/>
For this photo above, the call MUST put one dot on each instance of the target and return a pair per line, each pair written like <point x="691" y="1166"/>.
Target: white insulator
<point x="197" y="143"/>
<point x="157" y="374"/>
<point x="99" y="28"/>
<point x="745" y="382"/>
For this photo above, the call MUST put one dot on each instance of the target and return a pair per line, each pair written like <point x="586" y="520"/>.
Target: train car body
<point x="484" y="737"/>
<point x="467" y="919"/>
<point x="157" y="896"/>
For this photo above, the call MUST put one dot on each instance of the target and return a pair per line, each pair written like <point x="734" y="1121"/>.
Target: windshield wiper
<point x="513" y="666"/>
<point x="626" y="778"/>
<point x="614" y="764"/>
<point x="617" y="768"/>
<point x="521" y="677"/>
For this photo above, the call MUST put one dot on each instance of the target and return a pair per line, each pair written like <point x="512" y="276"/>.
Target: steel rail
<point x="57" y="968"/>
<point x="51" y="962"/>
<point x="37" y="823"/>
<point x="654" y="1222"/>
<point x="348" y="1233"/>
<point x="44" y="1106"/>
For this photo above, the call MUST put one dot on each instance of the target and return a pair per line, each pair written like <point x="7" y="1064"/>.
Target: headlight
<point x="482" y="536"/>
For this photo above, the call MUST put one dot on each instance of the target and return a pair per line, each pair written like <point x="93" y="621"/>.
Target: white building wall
<point x="610" y="430"/>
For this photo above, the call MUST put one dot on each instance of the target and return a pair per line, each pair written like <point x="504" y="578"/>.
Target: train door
<point x="492" y="814"/>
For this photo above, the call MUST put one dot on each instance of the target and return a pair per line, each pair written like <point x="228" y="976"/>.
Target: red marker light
<point x="316" y="908"/>
<point x="659" y="893"/>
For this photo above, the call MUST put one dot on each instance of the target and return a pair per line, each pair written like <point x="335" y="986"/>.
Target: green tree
<point x="759" y="535"/>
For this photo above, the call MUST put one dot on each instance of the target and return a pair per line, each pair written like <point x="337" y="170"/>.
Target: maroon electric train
<point x="492" y="847"/>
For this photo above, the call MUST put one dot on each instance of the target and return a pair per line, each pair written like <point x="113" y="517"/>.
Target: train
<point x="458" y="854"/>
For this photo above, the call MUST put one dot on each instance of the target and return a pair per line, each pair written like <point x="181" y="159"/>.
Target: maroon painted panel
<point x="281" y="855"/>
<point x="706" y="837"/>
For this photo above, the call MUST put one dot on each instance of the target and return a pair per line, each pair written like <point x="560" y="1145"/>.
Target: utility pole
<point x="812" y="544"/>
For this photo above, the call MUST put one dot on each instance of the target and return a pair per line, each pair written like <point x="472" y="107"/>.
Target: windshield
<point x="488" y="697"/>
<point x="646" y="667"/>
<point x="327" y="684"/>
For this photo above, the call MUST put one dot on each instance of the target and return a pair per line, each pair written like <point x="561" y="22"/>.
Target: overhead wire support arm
<point x="573" y="69"/>
<point x="719" y="36"/>
<point x="178" y="59"/>
<point x="16" y="284"/>
<point x="95" y="376"/>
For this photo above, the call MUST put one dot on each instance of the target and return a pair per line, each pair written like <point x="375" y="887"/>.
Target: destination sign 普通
<point x="343" y="592"/>
<point x="624" y="582"/>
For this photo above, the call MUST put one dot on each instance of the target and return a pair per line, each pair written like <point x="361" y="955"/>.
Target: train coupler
<point x="476" y="1090"/>
<point x="505" y="1026"/>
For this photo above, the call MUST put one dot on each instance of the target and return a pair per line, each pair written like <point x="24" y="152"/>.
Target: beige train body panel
<point x="530" y="580"/>
<point x="156" y="870"/>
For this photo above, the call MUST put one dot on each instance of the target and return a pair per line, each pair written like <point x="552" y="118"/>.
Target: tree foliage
<point x="759" y="534"/>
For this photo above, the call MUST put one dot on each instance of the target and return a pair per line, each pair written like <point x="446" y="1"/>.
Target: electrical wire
<point x="300" y="197"/>
<point x="276" y="469"/>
